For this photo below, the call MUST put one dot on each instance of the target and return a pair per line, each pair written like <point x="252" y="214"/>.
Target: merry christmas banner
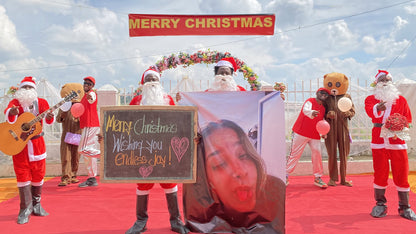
<point x="174" y="25"/>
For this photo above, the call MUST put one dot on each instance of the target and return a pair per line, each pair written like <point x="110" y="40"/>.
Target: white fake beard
<point x="224" y="83"/>
<point x="153" y="94"/>
<point x="386" y="92"/>
<point x="26" y="97"/>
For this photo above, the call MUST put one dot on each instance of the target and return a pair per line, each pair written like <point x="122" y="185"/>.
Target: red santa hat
<point x="381" y="73"/>
<point x="28" y="80"/>
<point x="90" y="78"/>
<point x="149" y="71"/>
<point x="227" y="62"/>
<point x="324" y="89"/>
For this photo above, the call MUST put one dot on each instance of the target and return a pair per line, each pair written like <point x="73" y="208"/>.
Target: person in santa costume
<point x="305" y="132"/>
<point x="90" y="126"/>
<point x="385" y="102"/>
<point x="29" y="165"/>
<point x="153" y="94"/>
<point x="224" y="72"/>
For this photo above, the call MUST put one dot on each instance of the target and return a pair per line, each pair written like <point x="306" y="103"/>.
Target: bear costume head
<point x="336" y="83"/>
<point x="77" y="87"/>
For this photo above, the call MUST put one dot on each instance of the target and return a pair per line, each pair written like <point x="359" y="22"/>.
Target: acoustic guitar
<point x="14" y="137"/>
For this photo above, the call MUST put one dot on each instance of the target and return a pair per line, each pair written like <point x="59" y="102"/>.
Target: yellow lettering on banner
<point x="211" y="23"/>
<point x="235" y="21"/>
<point x="145" y="23"/>
<point x="258" y="23"/>
<point x="175" y="23"/>
<point x="155" y="23"/>
<point x="200" y="22"/>
<point x="165" y="23"/>
<point x="225" y="23"/>
<point x="268" y="22"/>
<point x="134" y="23"/>
<point x="246" y="22"/>
<point x="189" y="23"/>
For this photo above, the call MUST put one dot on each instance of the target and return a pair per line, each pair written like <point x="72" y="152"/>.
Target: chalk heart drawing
<point x="145" y="171"/>
<point x="179" y="146"/>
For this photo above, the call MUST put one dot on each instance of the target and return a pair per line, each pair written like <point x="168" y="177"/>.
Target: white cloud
<point x="230" y="6"/>
<point x="400" y="22"/>
<point x="56" y="7"/>
<point x="340" y="37"/>
<point x="411" y="9"/>
<point x="291" y="12"/>
<point x="384" y="47"/>
<point x="69" y="39"/>
<point x="9" y="42"/>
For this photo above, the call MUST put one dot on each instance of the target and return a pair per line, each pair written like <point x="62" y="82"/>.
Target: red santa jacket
<point x="306" y="126"/>
<point x="138" y="99"/>
<point x="401" y="107"/>
<point x="90" y="116"/>
<point x="36" y="147"/>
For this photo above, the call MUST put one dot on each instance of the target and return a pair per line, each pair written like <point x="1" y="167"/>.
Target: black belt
<point x="37" y="136"/>
<point x="378" y="125"/>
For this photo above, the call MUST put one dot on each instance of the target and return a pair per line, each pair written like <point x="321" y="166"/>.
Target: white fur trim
<point x="142" y="192"/>
<point x="32" y="156"/>
<point x="400" y="189"/>
<point x="37" y="183"/>
<point x="23" y="184"/>
<point x="375" y="112"/>
<point x="33" y="85"/>
<point x="380" y="74"/>
<point x="171" y="190"/>
<point x="7" y="118"/>
<point x="379" y="187"/>
<point x="388" y="146"/>
<point x="224" y="63"/>
<point x="151" y="72"/>
<point x="377" y="146"/>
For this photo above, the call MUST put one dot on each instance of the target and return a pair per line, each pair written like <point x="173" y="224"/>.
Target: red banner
<point x="174" y="25"/>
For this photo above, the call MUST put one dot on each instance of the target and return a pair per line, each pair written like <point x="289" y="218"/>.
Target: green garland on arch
<point x="206" y="57"/>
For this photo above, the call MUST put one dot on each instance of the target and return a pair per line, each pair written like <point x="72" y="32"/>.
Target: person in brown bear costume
<point x="69" y="152"/>
<point x="338" y="136"/>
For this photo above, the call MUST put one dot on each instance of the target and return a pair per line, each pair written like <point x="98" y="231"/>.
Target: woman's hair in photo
<point x="246" y="144"/>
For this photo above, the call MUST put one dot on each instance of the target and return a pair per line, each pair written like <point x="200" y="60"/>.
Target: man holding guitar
<point x="29" y="165"/>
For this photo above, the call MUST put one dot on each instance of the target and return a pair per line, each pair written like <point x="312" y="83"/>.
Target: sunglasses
<point x="88" y="83"/>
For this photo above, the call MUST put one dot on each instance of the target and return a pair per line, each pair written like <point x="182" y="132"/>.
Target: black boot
<point x="175" y="217"/>
<point x="141" y="214"/>
<point x="380" y="210"/>
<point x="404" y="207"/>
<point x="36" y="197"/>
<point x="26" y="206"/>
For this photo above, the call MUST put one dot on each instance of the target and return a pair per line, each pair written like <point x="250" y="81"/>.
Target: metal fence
<point x="296" y="93"/>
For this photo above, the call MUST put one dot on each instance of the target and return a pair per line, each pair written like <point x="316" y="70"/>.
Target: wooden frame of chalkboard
<point x="148" y="144"/>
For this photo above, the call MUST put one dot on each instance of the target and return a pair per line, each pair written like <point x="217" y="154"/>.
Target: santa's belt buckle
<point x="378" y="125"/>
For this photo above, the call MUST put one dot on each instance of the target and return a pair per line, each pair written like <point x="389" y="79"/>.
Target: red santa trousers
<point x="27" y="171"/>
<point x="399" y="168"/>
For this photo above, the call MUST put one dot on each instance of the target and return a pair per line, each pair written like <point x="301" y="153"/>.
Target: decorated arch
<point x="206" y="57"/>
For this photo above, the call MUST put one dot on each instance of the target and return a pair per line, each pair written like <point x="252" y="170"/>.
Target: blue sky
<point x="66" y="40"/>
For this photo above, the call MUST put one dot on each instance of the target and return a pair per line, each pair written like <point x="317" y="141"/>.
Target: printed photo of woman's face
<point x="231" y="172"/>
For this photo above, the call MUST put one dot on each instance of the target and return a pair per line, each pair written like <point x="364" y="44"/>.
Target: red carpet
<point x="110" y="208"/>
<point x="342" y="209"/>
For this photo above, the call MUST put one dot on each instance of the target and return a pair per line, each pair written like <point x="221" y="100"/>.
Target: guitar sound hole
<point x="25" y="127"/>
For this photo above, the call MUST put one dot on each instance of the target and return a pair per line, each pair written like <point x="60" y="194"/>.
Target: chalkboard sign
<point x="148" y="144"/>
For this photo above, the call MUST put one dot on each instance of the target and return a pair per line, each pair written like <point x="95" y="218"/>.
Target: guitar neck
<point x="70" y="96"/>
<point x="41" y="116"/>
